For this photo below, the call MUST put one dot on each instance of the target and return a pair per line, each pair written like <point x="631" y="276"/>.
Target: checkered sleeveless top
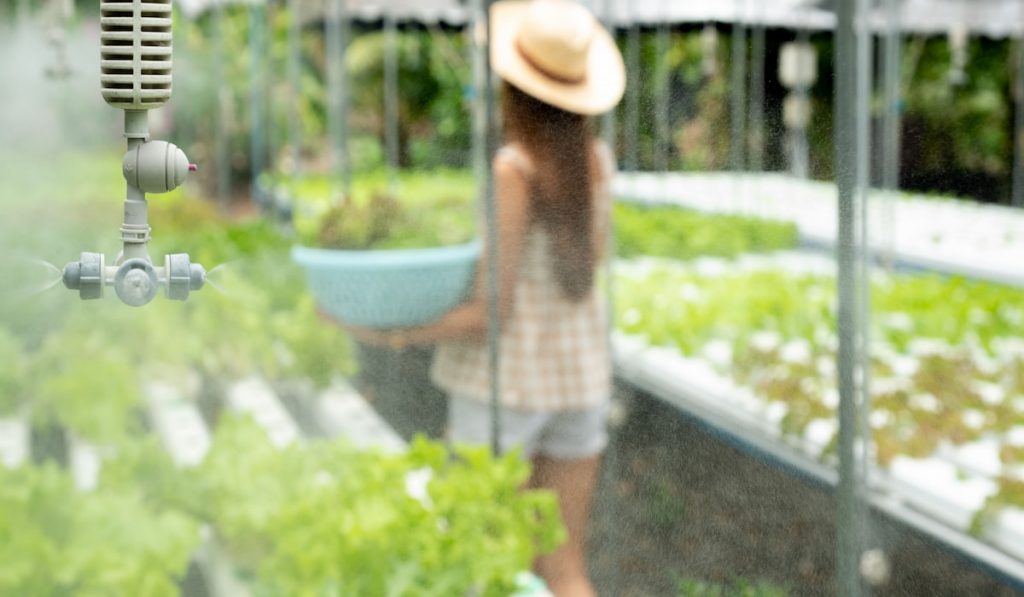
<point x="553" y="352"/>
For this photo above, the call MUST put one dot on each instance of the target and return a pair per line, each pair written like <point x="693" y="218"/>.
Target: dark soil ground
<point x="676" y="502"/>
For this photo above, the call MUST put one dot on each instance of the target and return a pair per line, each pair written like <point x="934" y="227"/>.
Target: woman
<point x="553" y="204"/>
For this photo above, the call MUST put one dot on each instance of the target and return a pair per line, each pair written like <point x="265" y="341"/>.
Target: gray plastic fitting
<point x="155" y="167"/>
<point x="86" y="276"/>
<point x="136" y="282"/>
<point x="183" y="276"/>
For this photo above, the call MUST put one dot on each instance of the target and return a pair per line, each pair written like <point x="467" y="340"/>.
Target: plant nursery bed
<point x="934" y="487"/>
<point x="748" y="347"/>
<point x="340" y="412"/>
<point x="939" y="234"/>
<point x="679" y="501"/>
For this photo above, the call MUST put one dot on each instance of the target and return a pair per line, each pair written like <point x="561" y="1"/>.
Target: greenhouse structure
<point x="227" y="223"/>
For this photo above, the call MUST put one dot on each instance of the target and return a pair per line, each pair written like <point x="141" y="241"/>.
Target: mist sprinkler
<point x="135" y="40"/>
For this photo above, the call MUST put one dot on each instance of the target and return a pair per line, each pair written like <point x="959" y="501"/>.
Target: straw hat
<point x="556" y="51"/>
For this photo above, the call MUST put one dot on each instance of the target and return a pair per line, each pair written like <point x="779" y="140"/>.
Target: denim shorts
<point x="564" y="435"/>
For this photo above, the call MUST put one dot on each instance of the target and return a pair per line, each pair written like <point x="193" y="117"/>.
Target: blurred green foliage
<point x="667" y="231"/>
<point x="56" y="540"/>
<point x="324" y="516"/>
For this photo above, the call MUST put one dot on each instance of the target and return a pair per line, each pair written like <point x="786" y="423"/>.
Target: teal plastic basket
<point x="389" y="288"/>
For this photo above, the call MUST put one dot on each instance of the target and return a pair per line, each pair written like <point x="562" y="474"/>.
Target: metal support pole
<point x="391" y="116"/>
<point x="222" y="94"/>
<point x="1018" y="129"/>
<point x="848" y="150"/>
<point x="633" y="98"/>
<point x="663" y="134"/>
<point x="479" y="108"/>
<point x="757" y="60"/>
<point x="738" y="57"/>
<point x="336" y="34"/>
<point x="486" y="98"/>
<point x="892" y="124"/>
<point x="294" y="66"/>
<point x="892" y="80"/>
<point x="865" y="80"/>
<point x="257" y="89"/>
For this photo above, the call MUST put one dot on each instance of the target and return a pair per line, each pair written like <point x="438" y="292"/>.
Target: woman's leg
<point x="565" y="570"/>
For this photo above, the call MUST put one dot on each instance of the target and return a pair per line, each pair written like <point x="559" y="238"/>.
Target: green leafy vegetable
<point x="55" y="541"/>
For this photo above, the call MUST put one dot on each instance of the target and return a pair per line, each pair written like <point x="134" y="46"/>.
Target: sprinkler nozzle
<point x="136" y="281"/>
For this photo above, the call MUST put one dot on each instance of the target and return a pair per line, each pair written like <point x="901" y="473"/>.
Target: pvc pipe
<point x="135" y="231"/>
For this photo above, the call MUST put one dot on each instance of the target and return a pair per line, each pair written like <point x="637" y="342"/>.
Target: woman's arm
<point x="469" y="320"/>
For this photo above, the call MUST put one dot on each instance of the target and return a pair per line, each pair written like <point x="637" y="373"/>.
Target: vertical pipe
<point x="663" y="134"/>
<point x="891" y="77"/>
<point x="491" y="215"/>
<point x="738" y="57"/>
<point x="135" y="231"/>
<point x="801" y="148"/>
<point x="633" y="98"/>
<point x="1018" y="128"/>
<point x="891" y="128"/>
<point x="294" y="66"/>
<point x="757" y="60"/>
<point x="608" y="132"/>
<point x="846" y="152"/>
<point x="608" y="135"/>
<point x="391" y="116"/>
<point x="271" y="140"/>
<point x="865" y="80"/>
<point x="257" y="54"/>
<point x="222" y="94"/>
<point x="337" y="89"/>
<point x="479" y="107"/>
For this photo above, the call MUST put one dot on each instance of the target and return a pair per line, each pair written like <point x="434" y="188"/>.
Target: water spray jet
<point x="135" y="49"/>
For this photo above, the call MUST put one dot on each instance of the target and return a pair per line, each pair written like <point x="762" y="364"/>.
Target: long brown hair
<point x="559" y="144"/>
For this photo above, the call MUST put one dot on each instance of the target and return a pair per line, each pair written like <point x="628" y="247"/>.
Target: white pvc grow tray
<point x="14" y="441"/>
<point x="934" y="495"/>
<point x="946" y="235"/>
